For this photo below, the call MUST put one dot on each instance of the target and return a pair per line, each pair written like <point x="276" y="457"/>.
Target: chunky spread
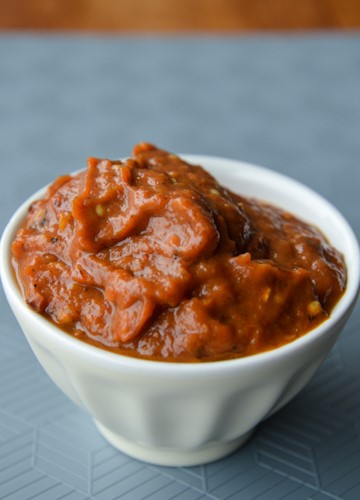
<point x="151" y="257"/>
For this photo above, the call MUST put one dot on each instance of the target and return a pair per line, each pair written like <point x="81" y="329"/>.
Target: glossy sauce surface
<point x="152" y="258"/>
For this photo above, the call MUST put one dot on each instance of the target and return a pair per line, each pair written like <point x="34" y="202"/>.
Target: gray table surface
<point x="289" y="103"/>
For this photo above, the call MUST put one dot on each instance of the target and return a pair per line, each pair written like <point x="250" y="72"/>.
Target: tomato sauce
<point x="151" y="257"/>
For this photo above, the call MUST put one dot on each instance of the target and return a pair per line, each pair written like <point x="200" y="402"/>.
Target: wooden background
<point x="178" y="16"/>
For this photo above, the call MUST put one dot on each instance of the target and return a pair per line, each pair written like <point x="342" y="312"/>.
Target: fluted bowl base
<point x="172" y="457"/>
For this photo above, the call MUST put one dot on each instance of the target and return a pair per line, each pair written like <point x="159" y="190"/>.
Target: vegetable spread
<point x="151" y="257"/>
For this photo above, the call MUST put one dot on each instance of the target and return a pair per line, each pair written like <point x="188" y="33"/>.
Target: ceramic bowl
<point x="180" y="414"/>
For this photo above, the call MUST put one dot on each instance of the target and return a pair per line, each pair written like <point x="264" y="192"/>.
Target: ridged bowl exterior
<point x="181" y="414"/>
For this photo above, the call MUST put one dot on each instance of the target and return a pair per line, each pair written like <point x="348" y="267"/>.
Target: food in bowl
<point x="151" y="257"/>
<point x="183" y="414"/>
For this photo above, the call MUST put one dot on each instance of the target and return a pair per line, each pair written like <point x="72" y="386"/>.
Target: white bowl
<point x="181" y="414"/>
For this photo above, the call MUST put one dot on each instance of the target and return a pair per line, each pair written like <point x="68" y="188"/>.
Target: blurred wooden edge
<point x="176" y="16"/>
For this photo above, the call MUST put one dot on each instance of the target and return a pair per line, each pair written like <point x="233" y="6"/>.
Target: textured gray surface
<point x="292" y="104"/>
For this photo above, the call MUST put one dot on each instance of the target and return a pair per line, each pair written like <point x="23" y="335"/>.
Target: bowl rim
<point x="115" y="360"/>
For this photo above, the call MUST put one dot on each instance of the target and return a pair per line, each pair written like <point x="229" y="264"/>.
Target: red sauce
<point x="152" y="258"/>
